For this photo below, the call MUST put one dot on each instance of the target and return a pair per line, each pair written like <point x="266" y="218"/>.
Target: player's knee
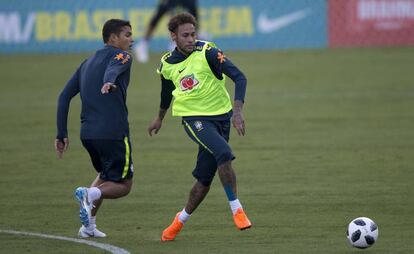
<point x="225" y="159"/>
<point x="127" y="187"/>
<point x="204" y="176"/>
<point x="205" y="182"/>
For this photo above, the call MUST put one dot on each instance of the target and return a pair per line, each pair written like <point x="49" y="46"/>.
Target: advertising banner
<point x="371" y="22"/>
<point x="62" y="26"/>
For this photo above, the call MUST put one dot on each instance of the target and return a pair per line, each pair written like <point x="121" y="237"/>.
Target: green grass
<point x="329" y="138"/>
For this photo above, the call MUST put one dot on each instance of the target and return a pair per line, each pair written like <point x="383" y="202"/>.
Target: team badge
<point x="124" y="58"/>
<point x="221" y="57"/>
<point x="198" y="125"/>
<point x="188" y="82"/>
<point x="119" y="56"/>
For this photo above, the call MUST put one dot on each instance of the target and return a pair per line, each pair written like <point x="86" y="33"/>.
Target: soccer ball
<point x="362" y="232"/>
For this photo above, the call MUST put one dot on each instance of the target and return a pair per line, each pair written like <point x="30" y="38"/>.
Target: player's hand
<point x="154" y="126"/>
<point x="108" y="87"/>
<point x="238" y="123"/>
<point x="61" y="146"/>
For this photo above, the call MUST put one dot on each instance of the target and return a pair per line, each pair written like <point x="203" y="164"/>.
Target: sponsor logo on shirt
<point x="188" y="82"/>
<point x="179" y="71"/>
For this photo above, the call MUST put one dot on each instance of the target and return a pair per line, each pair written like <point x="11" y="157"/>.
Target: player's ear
<point x="173" y="36"/>
<point x="113" y="37"/>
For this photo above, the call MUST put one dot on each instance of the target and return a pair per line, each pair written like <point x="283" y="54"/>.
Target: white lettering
<point x="385" y="9"/>
<point x="11" y="30"/>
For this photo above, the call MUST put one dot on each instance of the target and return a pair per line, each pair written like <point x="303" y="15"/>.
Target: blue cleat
<point x="85" y="207"/>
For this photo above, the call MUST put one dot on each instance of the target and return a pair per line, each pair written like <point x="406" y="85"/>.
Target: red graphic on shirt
<point x="188" y="82"/>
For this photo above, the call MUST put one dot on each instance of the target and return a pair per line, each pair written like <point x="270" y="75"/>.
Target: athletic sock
<point x="234" y="205"/>
<point x="229" y="192"/>
<point x="184" y="216"/>
<point x="92" y="223"/>
<point x="233" y="201"/>
<point x="94" y="194"/>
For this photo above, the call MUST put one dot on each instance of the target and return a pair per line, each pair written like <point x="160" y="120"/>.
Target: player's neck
<point x="111" y="45"/>
<point x="183" y="52"/>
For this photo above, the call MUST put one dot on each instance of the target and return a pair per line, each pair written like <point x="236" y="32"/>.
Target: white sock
<point x="234" y="205"/>
<point x="94" y="194"/>
<point x="184" y="216"/>
<point x="92" y="223"/>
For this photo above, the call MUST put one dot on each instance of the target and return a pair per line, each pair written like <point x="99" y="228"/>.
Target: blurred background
<point x="59" y="26"/>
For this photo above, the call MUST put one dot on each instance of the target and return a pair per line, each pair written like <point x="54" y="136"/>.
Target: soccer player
<point x="164" y="6"/>
<point x="102" y="81"/>
<point x="194" y="74"/>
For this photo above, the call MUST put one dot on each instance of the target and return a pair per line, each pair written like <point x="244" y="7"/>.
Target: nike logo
<point x="266" y="25"/>
<point x="89" y="234"/>
<point x="179" y="71"/>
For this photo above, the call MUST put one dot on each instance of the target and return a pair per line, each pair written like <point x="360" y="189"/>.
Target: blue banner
<point x="64" y="26"/>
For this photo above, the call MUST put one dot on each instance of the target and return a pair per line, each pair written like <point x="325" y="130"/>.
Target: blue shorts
<point x="212" y="137"/>
<point x="112" y="159"/>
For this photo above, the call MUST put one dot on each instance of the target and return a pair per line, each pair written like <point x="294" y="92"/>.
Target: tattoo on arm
<point x="161" y="113"/>
<point x="238" y="106"/>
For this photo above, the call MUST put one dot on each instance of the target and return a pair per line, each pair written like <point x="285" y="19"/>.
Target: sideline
<point x="111" y="248"/>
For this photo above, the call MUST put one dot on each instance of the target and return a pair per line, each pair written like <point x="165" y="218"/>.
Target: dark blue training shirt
<point x="103" y="116"/>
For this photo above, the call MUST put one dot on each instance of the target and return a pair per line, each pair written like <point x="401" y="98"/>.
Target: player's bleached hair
<point x="113" y="26"/>
<point x="180" y="19"/>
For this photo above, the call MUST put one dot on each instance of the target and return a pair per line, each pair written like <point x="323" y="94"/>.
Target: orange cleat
<point x="172" y="231"/>
<point x="241" y="220"/>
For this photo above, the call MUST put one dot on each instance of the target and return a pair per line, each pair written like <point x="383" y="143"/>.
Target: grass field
<point x="330" y="137"/>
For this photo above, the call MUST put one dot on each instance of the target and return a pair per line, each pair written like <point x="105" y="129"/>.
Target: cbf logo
<point x="198" y="125"/>
<point x="188" y="82"/>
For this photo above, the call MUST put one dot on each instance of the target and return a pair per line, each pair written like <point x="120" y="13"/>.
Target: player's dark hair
<point x="180" y="19"/>
<point x="113" y="26"/>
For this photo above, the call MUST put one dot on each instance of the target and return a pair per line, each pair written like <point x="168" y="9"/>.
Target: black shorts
<point x="165" y="6"/>
<point x="212" y="136"/>
<point x="111" y="158"/>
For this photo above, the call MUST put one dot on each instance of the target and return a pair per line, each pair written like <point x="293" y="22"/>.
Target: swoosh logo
<point x="179" y="71"/>
<point x="89" y="234"/>
<point x="266" y="25"/>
